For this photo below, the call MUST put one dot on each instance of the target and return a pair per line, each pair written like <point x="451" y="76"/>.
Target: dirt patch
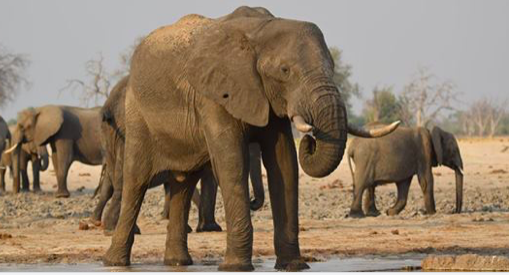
<point x="498" y="171"/>
<point x="5" y="236"/>
<point x="469" y="262"/>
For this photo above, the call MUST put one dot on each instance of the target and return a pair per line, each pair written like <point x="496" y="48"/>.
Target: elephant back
<point x="113" y="110"/>
<point x="176" y="37"/>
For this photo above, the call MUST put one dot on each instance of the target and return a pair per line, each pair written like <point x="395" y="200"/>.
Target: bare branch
<point x="12" y="75"/>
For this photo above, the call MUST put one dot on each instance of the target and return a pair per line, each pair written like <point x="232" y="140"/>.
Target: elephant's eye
<point x="285" y="69"/>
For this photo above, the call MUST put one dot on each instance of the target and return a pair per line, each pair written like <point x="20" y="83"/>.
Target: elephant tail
<point x="101" y="180"/>
<point x="349" y="157"/>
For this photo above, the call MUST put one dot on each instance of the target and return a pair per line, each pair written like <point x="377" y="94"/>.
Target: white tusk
<point x="8" y="151"/>
<point x="374" y="132"/>
<point x="301" y="125"/>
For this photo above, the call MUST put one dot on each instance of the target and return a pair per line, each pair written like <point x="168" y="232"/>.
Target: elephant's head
<point x="447" y="152"/>
<point x="38" y="125"/>
<point x="259" y="64"/>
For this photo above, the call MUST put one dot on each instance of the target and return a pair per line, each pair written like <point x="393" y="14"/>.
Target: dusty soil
<point x="37" y="228"/>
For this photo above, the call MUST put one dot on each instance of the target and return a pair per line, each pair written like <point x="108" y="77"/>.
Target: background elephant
<point x="72" y="132"/>
<point x="113" y="132"/>
<point x="18" y="161"/>
<point x="5" y="141"/>
<point x="397" y="158"/>
<point x="199" y="92"/>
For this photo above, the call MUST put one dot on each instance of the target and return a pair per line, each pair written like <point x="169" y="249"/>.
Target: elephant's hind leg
<point x="136" y="182"/>
<point x="207" y="206"/>
<point x="360" y="183"/>
<point x="370" y="203"/>
<point x="105" y="194"/>
<point x="177" y="252"/>
<point x="403" y="187"/>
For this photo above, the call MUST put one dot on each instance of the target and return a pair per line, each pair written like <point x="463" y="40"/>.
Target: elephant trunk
<point x="44" y="160"/>
<point x="459" y="190"/>
<point x="321" y="155"/>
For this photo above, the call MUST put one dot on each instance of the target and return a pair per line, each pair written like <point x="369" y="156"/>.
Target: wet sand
<point x="38" y="228"/>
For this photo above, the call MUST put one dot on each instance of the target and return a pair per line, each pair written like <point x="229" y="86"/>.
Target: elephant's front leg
<point x="36" y="167"/>
<point x="426" y="183"/>
<point x="64" y="157"/>
<point x="181" y="193"/>
<point x="23" y="166"/>
<point x="136" y="181"/>
<point x="228" y="151"/>
<point x="280" y="160"/>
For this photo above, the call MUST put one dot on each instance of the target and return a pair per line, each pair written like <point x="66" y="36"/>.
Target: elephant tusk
<point x="373" y="133"/>
<point x="8" y="151"/>
<point x="301" y="125"/>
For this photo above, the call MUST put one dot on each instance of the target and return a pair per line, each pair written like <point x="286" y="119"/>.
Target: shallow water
<point x="345" y="264"/>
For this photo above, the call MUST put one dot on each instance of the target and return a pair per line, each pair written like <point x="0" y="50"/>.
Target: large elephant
<point x="72" y="132"/>
<point x="18" y="161"/>
<point x="397" y="158"/>
<point x="199" y="92"/>
<point x="113" y="130"/>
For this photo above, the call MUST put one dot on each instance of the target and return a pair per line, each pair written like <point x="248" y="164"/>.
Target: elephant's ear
<point x="48" y="122"/>
<point x="222" y="67"/>
<point x="436" y="139"/>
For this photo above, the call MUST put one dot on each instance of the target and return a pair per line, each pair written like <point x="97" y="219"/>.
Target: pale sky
<point x="385" y="41"/>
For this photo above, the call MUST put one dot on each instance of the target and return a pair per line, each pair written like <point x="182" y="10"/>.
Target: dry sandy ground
<point x="37" y="228"/>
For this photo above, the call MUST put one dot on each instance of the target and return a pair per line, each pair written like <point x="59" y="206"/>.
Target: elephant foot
<point x="109" y="232"/>
<point x="62" y="194"/>
<point x="116" y="257"/>
<point x="356" y="214"/>
<point x="209" y="227"/>
<point x="373" y="213"/>
<point x="95" y="221"/>
<point x="291" y="265"/>
<point x="228" y="266"/>
<point x="182" y="260"/>
<point x="431" y="211"/>
<point x="37" y="190"/>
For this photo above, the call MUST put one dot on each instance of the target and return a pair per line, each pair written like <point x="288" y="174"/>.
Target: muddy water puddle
<point x="336" y="264"/>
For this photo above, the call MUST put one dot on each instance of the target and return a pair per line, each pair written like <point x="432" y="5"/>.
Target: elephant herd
<point x="210" y="100"/>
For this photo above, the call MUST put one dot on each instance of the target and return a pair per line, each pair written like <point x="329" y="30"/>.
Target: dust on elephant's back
<point x="176" y="37"/>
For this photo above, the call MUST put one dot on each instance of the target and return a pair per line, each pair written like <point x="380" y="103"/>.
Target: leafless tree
<point x="97" y="87"/>
<point x="125" y="59"/>
<point x="424" y="98"/>
<point x="477" y="113"/>
<point x="487" y="114"/>
<point x="12" y="75"/>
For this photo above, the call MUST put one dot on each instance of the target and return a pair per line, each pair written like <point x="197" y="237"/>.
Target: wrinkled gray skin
<point x="28" y="152"/>
<point x="73" y="134"/>
<point x="199" y="92"/>
<point x="5" y="160"/>
<point x="397" y="158"/>
<point x="113" y="130"/>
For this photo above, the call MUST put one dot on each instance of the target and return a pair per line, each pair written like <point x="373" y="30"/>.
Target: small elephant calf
<point x="397" y="157"/>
